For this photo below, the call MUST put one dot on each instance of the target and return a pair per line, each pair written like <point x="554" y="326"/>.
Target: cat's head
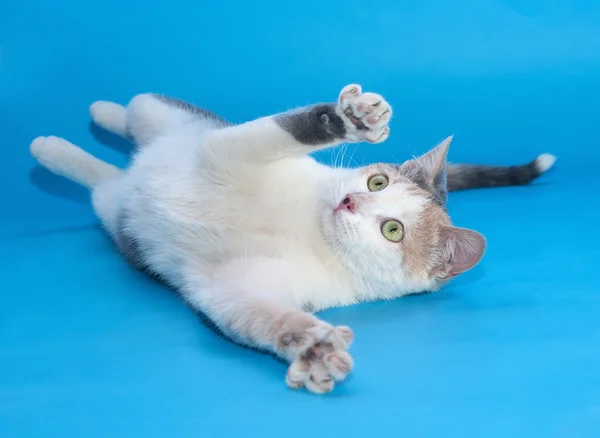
<point x="389" y="223"/>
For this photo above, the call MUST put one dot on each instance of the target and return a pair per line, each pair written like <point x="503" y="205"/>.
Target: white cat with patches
<point x="256" y="234"/>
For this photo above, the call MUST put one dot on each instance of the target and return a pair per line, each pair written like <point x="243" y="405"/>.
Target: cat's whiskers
<point x="352" y="157"/>
<point x="341" y="153"/>
<point x="344" y="155"/>
<point x="348" y="228"/>
<point x="334" y="157"/>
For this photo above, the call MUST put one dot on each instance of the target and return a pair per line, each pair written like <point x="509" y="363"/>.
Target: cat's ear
<point x="434" y="161"/>
<point x="429" y="171"/>
<point x="461" y="250"/>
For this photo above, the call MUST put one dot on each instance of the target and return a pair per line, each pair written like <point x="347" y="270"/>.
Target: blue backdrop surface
<point x="90" y="348"/>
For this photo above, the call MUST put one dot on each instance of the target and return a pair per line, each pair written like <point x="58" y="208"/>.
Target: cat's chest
<point x="243" y="209"/>
<point x="285" y="199"/>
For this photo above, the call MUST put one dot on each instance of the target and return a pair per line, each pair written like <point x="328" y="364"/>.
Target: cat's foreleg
<point x="355" y="117"/>
<point x="248" y="311"/>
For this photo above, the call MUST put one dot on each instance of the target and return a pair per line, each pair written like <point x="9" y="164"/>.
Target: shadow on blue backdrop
<point x="90" y="347"/>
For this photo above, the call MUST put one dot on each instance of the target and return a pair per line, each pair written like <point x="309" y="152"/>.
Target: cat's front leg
<point x="355" y="117"/>
<point x="253" y="310"/>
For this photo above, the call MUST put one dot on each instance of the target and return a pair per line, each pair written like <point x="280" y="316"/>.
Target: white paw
<point x="47" y="149"/>
<point x="109" y="115"/>
<point x="38" y="147"/>
<point x="322" y="359"/>
<point x="366" y="114"/>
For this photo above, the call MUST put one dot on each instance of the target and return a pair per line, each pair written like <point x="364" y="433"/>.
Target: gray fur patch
<point x="440" y="188"/>
<point x="466" y="176"/>
<point x="218" y="121"/>
<point x="308" y="307"/>
<point x="436" y="187"/>
<point x="129" y="246"/>
<point x="313" y="125"/>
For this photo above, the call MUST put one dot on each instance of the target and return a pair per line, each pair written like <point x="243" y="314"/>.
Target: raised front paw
<point x="366" y="115"/>
<point x="322" y="358"/>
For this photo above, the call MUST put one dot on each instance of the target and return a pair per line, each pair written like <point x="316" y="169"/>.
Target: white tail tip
<point x="544" y="162"/>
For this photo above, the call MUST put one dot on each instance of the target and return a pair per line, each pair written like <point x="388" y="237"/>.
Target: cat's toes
<point x="367" y="114"/>
<point x="367" y="110"/>
<point x="311" y="374"/>
<point x="378" y="136"/>
<point x="339" y="364"/>
<point x="323" y="361"/>
<point x="349" y="91"/>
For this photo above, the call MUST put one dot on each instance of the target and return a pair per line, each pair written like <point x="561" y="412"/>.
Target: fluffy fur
<point x="257" y="235"/>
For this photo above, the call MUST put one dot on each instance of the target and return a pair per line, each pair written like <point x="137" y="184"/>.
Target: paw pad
<point x="366" y="114"/>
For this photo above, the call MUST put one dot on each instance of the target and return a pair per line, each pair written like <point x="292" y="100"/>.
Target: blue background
<point x="90" y="348"/>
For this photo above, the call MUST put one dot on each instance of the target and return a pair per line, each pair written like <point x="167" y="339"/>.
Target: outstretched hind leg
<point x="107" y="205"/>
<point x="149" y="116"/>
<point x="110" y="116"/>
<point x="66" y="159"/>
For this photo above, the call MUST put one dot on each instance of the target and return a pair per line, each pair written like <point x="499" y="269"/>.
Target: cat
<point x="257" y="235"/>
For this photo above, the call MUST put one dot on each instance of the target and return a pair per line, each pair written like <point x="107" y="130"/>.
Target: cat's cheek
<point x="330" y="226"/>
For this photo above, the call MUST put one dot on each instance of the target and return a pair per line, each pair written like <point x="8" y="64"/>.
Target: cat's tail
<point x="474" y="176"/>
<point x="65" y="159"/>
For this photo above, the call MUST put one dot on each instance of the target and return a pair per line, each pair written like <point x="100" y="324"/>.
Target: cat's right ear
<point x="434" y="161"/>
<point x="461" y="250"/>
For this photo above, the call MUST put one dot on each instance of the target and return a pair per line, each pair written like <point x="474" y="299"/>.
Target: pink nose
<point x="347" y="204"/>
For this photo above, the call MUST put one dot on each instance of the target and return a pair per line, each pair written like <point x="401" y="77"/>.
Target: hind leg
<point x="66" y="159"/>
<point x="107" y="205"/>
<point x="148" y="116"/>
<point x="110" y="116"/>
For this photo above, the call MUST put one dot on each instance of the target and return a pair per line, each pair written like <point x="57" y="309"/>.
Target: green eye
<point x="377" y="182"/>
<point x="392" y="230"/>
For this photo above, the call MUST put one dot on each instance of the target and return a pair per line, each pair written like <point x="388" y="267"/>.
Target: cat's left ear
<point x="461" y="250"/>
